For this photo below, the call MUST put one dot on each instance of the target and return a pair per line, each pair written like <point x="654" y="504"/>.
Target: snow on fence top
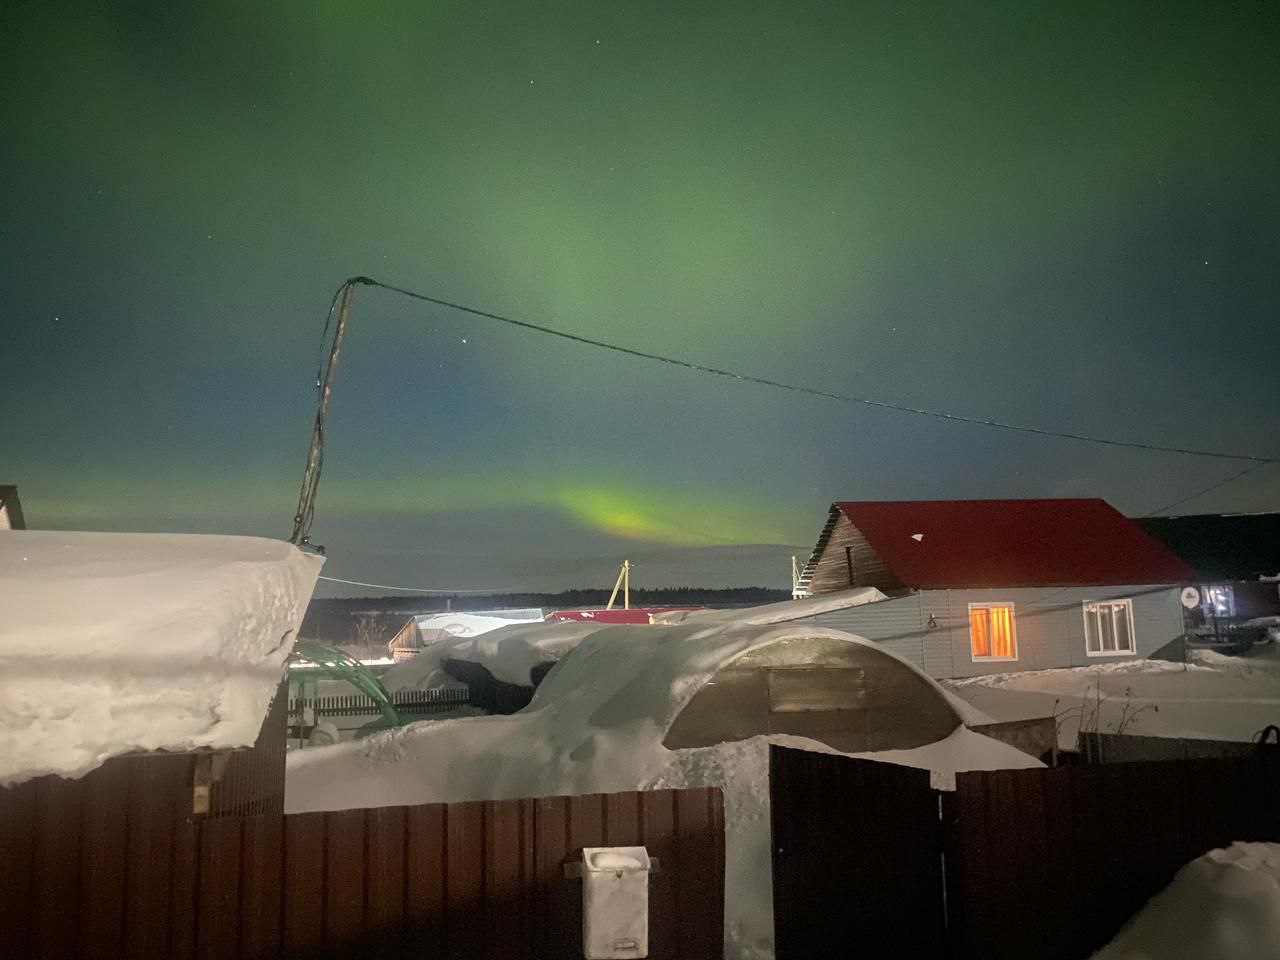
<point x="119" y="642"/>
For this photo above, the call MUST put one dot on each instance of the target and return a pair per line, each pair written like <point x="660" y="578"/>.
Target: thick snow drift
<point x="1232" y="700"/>
<point x="596" y="724"/>
<point x="1224" y="905"/>
<point x="781" y="612"/>
<point x="510" y="653"/>
<point x="114" y="642"/>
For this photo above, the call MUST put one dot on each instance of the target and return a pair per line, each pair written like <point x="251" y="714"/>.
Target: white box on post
<point x="615" y="902"/>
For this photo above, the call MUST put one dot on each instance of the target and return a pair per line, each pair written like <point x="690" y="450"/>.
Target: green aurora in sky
<point x="1063" y="215"/>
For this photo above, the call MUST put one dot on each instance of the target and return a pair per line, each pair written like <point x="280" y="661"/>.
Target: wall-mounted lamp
<point x="933" y="623"/>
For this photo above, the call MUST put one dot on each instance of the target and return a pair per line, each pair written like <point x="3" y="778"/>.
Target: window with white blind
<point x="1108" y="628"/>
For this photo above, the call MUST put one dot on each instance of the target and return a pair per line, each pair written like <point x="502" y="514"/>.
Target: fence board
<point x="304" y="860"/>
<point x="184" y="867"/>
<point x="658" y="831"/>
<point x="148" y="886"/>
<point x="426" y="867"/>
<point x="218" y="899"/>
<point x="464" y="883"/>
<point x="699" y="824"/>
<point x="18" y="825"/>
<point x="558" y="922"/>
<point x="56" y="878"/>
<point x="385" y="871"/>
<point x="344" y="877"/>
<point x="504" y="879"/>
<point x="102" y="876"/>
<point x="261" y="896"/>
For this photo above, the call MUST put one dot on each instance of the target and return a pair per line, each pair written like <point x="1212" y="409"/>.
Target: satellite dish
<point x="1190" y="597"/>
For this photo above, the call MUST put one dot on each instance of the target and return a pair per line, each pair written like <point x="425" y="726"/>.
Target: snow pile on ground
<point x="510" y="653"/>
<point x="1224" y="905"/>
<point x="781" y="612"/>
<point x="1221" y="701"/>
<point x="115" y="642"/>
<point x="1261" y="662"/>
<point x="596" y="724"/>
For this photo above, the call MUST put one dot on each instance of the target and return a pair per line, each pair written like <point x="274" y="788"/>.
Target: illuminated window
<point x="1220" y="601"/>
<point x="1108" y="628"/>
<point x="991" y="631"/>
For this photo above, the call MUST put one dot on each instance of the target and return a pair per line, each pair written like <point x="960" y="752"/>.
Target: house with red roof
<point x="987" y="586"/>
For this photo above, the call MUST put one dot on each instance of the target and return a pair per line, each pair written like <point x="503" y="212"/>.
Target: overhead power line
<point x="1209" y="489"/>
<point x="424" y="590"/>
<point x="811" y="391"/>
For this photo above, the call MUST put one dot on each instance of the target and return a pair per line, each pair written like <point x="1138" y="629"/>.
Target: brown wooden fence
<point x="86" y="875"/>
<point x="1048" y="863"/>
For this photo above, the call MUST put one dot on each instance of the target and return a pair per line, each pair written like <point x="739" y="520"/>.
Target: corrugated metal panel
<point x="102" y="876"/>
<point x="1074" y="852"/>
<point x="974" y="543"/>
<point x="1046" y="863"/>
<point x="894" y="623"/>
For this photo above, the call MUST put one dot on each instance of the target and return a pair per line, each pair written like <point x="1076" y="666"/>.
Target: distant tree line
<point x="357" y="620"/>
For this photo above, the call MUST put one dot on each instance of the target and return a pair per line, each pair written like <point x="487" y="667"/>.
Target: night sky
<point x="1061" y="215"/>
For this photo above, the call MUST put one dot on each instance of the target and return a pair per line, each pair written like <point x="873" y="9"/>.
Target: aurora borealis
<point x="1064" y="215"/>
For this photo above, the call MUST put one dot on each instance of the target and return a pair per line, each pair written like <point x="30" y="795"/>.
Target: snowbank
<point x="1224" y="905"/>
<point x="596" y="724"/>
<point x="510" y="653"/>
<point x="115" y="642"/>
<point x="1230" y="700"/>
<point x="782" y="612"/>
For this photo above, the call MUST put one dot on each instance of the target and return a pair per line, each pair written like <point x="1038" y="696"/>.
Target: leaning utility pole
<point x="623" y="581"/>
<point x="315" y="453"/>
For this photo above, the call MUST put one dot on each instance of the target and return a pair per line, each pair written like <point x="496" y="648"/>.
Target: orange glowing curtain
<point x="991" y="631"/>
<point x="978" y="634"/>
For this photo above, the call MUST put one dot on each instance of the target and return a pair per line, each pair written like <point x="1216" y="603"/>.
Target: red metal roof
<point x="1012" y="543"/>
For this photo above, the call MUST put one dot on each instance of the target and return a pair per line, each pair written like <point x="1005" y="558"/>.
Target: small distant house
<point x="422" y="630"/>
<point x="10" y="509"/>
<point x="987" y="586"/>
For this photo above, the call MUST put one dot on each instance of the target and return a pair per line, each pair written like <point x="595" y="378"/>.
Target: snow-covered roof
<point x="780" y="612"/>
<point x="119" y="642"/>
<point x="458" y="624"/>
<point x="509" y="652"/>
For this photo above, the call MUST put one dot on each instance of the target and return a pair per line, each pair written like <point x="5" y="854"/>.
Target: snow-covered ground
<point x="1224" y="905"/>
<point x="114" y="642"/>
<point x="1216" y="697"/>
<point x="596" y="725"/>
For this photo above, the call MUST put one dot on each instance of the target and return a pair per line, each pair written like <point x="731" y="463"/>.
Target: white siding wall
<point x="1048" y="621"/>
<point x="894" y="623"/>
